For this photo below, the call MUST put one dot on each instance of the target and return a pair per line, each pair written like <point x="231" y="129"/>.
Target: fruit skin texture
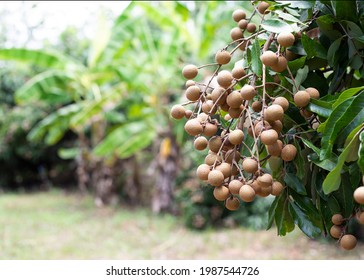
<point x="289" y="152"/>
<point x="269" y="137"/>
<point x="193" y="93"/>
<point x="234" y="99"/>
<point x="314" y="93"/>
<point x="262" y="7"/>
<point x="274" y="113"/>
<point x="224" y="78"/>
<point x="348" y="242"/>
<point x="257" y="106"/>
<point x="269" y="58"/>
<point x="247" y="92"/>
<point x="250" y="165"/>
<point x="251" y="27"/>
<point x="223" y="57"/>
<point x="178" y="112"/>
<point x="236" y="33"/>
<point x="193" y="127"/>
<point x="282" y="101"/>
<point x="225" y="168"/>
<point x="200" y="143"/>
<point x="337" y="219"/>
<point x="335" y="231"/>
<point x="203" y="171"/>
<point x="236" y="136"/>
<point x="286" y="39"/>
<point x="247" y="193"/>
<point x="238" y="15"/>
<point x="265" y="180"/>
<point x="221" y="193"/>
<point x="359" y="195"/>
<point x="238" y="72"/>
<point x="281" y="64"/>
<point x="190" y="71"/>
<point x="275" y="149"/>
<point x="234" y="186"/>
<point x="361" y="218"/>
<point x="232" y="203"/>
<point x="302" y="98"/>
<point x="277" y="188"/>
<point x="216" y="178"/>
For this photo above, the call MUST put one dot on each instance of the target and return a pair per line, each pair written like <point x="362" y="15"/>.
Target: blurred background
<point x="91" y="164"/>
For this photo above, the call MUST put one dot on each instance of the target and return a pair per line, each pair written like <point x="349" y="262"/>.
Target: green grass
<point x="57" y="226"/>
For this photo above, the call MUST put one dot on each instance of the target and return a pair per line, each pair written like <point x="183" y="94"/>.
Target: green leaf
<point x="344" y="195"/>
<point x="286" y="16"/>
<point x="256" y="63"/>
<point x="347" y="94"/>
<point x="333" y="54"/>
<point x="310" y="145"/>
<point x="276" y="26"/>
<point x="321" y="108"/>
<point x="68" y="153"/>
<point x="282" y="217"/>
<point x="272" y="210"/>
<point x="333" y="179"/>
<point x="298" y="4"/>
<point x="326" y="164"/>
<point x="295" y="183"/>
<point x="301" y="75"/>
<point x="303" y="221"/>
<point x="345" y="10"/>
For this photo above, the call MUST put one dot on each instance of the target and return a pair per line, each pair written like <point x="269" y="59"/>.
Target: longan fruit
<point x="215" y="178"/>
<point x="264" y="191"/>
<point x="247" y="193"/>
<point x="203" y="171"/>
<point x="234" y="112"/>
<point x="236" y="136"/>
<point x="275" y="149"/>
<point x="251" y="27"/>
<point x="190" y="71"/>
<point x="224" y="78"/>
<point x="269" y="58"/>
<point x="234" y="186"/>
<point x="248" y="92"/>
<point x="215" y="143"/>
<point x="178" y="112"/>
<point x="232" y="203"/>
<point x="281" y="101"/>
<point x="265" y="180"/>
<point x="262" y="7"/>
<point x="193" y="93"/>
<point x="277" y="126"/>
<point x="188" y="114"/>
<point x="232" y="154"/>
<point x="210" y="129"/>
<point x="238" y="15"/>
<point x="302" y="98"/>
<point x="200" y="143"/>
<point x="223" y="57"/>
<point x="243" y="23"/>
<point x="225" y="168"/>
<point x="362" y="179"/>
<point x="190" y="83"/>
<point x="257" y="106"/>
<point x="335" y="231"/>
<point x="221" y="193"/>
<point x="218" y="95"/>
<point x="348" y="242"/>
<point x="202" y="117"/>
<point x="238" y="72"/>
<point x="286" y="39"/>
<point x="259" y="127"/>
<point x="337" y="219"/>
<point x="360" y="218"/>
<point x="291" y="55"/>
<point x="193" y="127"/>
<point x="234" y="99"/>
<point x="269" y="137"/>
<point x="314" y="93"/>
<point x="250" y="165"/>
<point x="274" y="113"/>
<point x="236" y="34"/>
<point x="289" y="152"/>
<point x="211" y="158"/>
<point x="277" y="188"/>
<point x="359" y="195"/>
<point x="281" y="64"/>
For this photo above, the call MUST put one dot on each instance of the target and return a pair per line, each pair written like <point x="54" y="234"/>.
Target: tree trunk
<point x="82" y="163"/>
<point x="132" y="185"/>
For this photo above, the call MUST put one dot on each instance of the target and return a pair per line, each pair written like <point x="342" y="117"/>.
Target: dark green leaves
<point x="294" y="183"/>
<point x="303" y="221"/>
<point x="256" y="63"/>
<point x="276" y="26"/>
<point x="321" y="108"/>
<point x="279" y="212"/>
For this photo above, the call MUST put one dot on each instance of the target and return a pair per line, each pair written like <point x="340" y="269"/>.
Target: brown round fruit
<point x="286" y="39"/>
<point x="190" y="71"/>
<point x="236" y="137"/>
<point x="314" y="93"/>
<point x="236" y="34"/>
<point x="243" y="24"/>
<point x="203" y="171"/>
<point x="277" y="126"/>
<point x="234" y="99"/>
<point x="335" y="231"/>
<point x="215" y="143"/>
<point x="216" y="178"/>
<point x="250" y="165"/>
<point x="210" y="129"/>
<point x="225" y="168"/>
<point x="223" y="57"/>
<point x="302" y="98"/>
<point x="188" y="114"/>
<point x="232" y="203"/>
<point x="238" y="72"/>
<point x="274" y="113"/>
<point x="248" y="92"/>
<point x="234" y="186"/>
<point x="262" y="7"/>
<point x="361" y="218"/>
<point x="193" y="93"/>
<point x="221" y="193"/>
<point x="247" y="193"/>
<point x="232" y="154"/>
<point x="193" y="127"/>
<point x="238" y="15"/>
<point x="359" y="195"/>
<point x="269" y="137"/>
<point x="251" y="27"/>
<point x="218" y="95"/>
<point x="269" y="58"/>
<point x="257" y="106"/>
<point x="234" y="112"/>
<point x="289" y="152"/>
<point x="337" y="219"/>
<point x="190" y="83"/>
<point x="200" y="143"/>
<point x="211" y="158"/>
<point x="282" y="101"/>
<point x="224" y="78"/>
<point x="259" y="127"/>
<point x="277" y="188"/>
<point x="348" y="242"/>
<point x="265" y="180"/>
<point x="178" y="112"/>
<point x="281" y="64"/>
<point x="275" y="149"/>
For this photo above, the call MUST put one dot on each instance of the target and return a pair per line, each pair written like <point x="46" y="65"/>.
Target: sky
<point x="56" y="16"/>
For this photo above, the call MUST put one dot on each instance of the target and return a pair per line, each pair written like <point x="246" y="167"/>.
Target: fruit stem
<point x="220" y="149"/>
<point x="255" y="138"/>
<point x="243" y="40"/>
<point x="293" y="80"/>
<point x="206" y="65"/>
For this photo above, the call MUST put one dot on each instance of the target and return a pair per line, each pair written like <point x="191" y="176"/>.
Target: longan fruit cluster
<point x="236" y="108"/>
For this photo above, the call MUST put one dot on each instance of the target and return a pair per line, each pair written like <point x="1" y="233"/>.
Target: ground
<point x="57" y="226"/>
